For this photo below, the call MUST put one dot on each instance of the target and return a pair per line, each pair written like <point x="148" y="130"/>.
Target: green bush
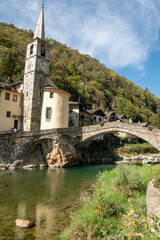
<point x="101" y="124"/>
<point x="157" y="180"/>
<point x="128" y="179"/>
<point x="124" y="139"/>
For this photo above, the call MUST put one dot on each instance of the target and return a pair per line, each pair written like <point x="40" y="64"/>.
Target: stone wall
<point x="153" y="208"/>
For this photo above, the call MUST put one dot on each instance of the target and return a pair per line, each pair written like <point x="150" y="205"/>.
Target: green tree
<point x="158" y="114"/>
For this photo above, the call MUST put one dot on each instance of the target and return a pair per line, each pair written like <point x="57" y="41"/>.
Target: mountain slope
<point x="81" y="75"/>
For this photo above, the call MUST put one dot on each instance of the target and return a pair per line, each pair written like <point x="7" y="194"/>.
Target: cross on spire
<point x="43" y="1"/>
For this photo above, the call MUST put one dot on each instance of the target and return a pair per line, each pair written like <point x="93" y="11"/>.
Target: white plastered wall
<point x="60" y="110"/>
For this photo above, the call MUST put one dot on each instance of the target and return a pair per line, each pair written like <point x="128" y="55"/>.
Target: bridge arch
<point x="91" y="132"/>
<point x="37" y="150"/>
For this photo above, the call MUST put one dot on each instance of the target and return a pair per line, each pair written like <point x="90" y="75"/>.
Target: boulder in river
<point x="30" y="166"/>
<point x="24" y="223"/>
<point x="16" y="164"/>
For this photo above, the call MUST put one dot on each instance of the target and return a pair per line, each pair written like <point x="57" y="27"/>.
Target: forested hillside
<point x="81" y="75"/>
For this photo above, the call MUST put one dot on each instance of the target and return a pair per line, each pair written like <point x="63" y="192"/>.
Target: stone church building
<point x="36" y="103"/>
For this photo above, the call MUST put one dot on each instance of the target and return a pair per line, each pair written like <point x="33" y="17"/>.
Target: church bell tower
<point x="35" y="76"/>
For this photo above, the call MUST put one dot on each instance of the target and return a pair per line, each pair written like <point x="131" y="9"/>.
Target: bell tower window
<point x="43" y="51"/>
<point x="31" y="49"/>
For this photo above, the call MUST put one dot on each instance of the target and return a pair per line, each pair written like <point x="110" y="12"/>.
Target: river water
<point x="49" y="197"/>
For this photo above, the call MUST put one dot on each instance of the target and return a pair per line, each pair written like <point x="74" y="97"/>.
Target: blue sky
<point x="122" y="34"/>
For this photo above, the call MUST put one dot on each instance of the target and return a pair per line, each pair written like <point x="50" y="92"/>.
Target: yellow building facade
<point x="10" y="108"/>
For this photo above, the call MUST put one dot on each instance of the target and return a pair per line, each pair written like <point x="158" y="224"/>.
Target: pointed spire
<point x="40" y="31"/>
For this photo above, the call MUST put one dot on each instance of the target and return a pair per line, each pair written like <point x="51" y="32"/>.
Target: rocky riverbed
<point x="138" y="160"/>
<point x="141" y="159"/>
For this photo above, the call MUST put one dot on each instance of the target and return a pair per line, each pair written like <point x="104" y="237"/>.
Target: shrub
<point x="128" y="179"/>
<point x="101" y="124"/>
<point x="124" y="139"/>
<point x="150" y="127"/>
<point x="157" y="181"/>
<point x="108" y="204"/>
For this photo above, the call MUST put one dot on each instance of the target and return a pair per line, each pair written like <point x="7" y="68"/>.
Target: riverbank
<point x="117" y="207"/>
<point x="113" y="159"/>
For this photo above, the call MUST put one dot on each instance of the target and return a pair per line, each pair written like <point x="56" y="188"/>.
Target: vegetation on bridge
<point x="81" y="75"/>
<point x="117" y="207"/>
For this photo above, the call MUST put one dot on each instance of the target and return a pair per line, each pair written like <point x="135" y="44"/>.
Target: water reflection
<point x="47" y="196"/>
<point x="21" y="213"/>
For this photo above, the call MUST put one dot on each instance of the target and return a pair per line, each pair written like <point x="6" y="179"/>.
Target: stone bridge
<point x="152" y="137"/>
<point x="62" y="146"/>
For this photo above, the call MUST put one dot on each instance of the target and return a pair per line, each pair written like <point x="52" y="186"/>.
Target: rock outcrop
<point x="62" y="157"/>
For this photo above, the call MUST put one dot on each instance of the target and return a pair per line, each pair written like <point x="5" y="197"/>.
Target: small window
<point x="15" y="97"/>
<point x="43" y="51"/>
<point x="100" y="120"/>
<point x="7" y="96"/>
<point x="71" y="110"/>
<point x="31" y="49"/>
<point x="8" y="114"/>
<point x="51" y="94"/>
<point x="48" y="113"/>
<point x="71" y="119"/>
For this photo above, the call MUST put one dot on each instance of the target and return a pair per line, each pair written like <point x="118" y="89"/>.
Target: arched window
<point x="31" y="49"/>
<point x="43" y="51"/>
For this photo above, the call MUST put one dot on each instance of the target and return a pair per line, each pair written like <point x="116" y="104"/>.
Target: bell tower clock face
<point x="42" y="65"/>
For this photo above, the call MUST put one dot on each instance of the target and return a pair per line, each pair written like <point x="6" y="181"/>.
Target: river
<point x="49" y="197"/>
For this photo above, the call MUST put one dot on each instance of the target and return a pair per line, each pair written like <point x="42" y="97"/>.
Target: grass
<point x="116" y="209"/>
<point x="136" y="144"/>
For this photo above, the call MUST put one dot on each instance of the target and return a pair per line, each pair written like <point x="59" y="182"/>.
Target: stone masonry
<point x="35" y="78"/>
<point x="41" y="147"/>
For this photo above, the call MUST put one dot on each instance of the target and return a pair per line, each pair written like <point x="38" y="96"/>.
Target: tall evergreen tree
<point x="158" y="114"/>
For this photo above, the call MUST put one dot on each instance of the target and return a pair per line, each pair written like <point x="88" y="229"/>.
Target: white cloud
<point x="119" y="33"/>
